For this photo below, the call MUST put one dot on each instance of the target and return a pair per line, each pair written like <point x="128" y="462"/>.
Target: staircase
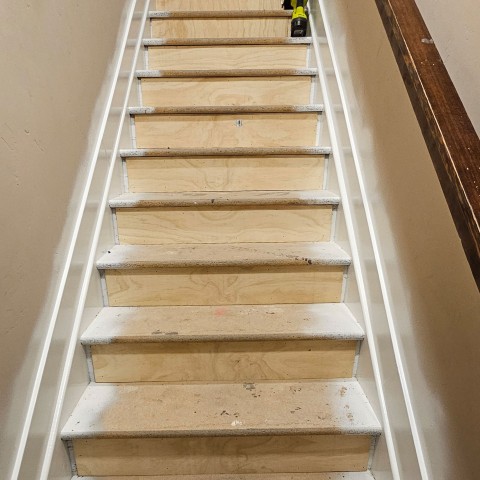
<point x="224" y="351"/>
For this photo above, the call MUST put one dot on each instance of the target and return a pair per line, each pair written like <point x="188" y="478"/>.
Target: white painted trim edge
<point x="68" y="264"/>
<point x="376" y="250"/>
<point x="337" y="153"/>
<point x="93" y="247"/>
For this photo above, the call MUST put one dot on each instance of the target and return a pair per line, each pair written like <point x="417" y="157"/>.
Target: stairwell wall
<point x="56" y="61"/>
<point x="455" y="28"/>
<point x="432" y="297"/>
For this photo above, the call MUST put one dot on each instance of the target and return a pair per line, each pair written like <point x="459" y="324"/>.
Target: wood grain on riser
<point x="225" y="428"/>
<point x="223" y="361"/>
<point x="260" y="476"/>
<point x="227" y="57"/>
<point x="235" y="217"/>
<point x="236" y="343"/>
<point x="291" y="90"/>
<point x="264" y="273"/>
<point x="226" y="126"/>
<point x="224" y="170"/>
<point x="222" y="24"/>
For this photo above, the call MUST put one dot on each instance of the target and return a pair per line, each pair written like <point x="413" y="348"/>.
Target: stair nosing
<point x="186" y="42"/>
<point x="194" y="14"/>
<point x="356" y="419"/>
<point x="131" y="257"/>
<point x="225" y="152"/>
<point x="328" y="321"/>
<point x="242" y="476"/>
<point x="220" y="199"/>
<point x="226" y="110"/>
<point x="237" y="72"/>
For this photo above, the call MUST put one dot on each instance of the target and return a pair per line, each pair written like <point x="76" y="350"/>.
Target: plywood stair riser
<point x="223" y="361"/>
<point x="227" y="57"/>
<point x="190" y="5"/>
<point x="219" y="27"/>
<point x="226" y="91"/>
<point x="226" y="130"/>
<point x="223" y="224"/>
<point x="216" y="455"/>
<point x="224" y="174"/>
<point x="224" y="286"/>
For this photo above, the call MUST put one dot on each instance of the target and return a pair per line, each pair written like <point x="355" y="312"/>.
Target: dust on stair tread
<point x="223" y="255"/>
<point x="222" y="323"/>
<point x="260" y="476"/>
<point x="246" y="198"/>
<point x="222" y="409"/>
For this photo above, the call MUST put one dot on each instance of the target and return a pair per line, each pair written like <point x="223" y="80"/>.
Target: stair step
<point x="264" y="273"/>
<point x="263" y="408"/>
<point x="226" y="126"/>
<point x="234" y="72"/>
<point x="159" y="42"/>
<point x="217" y="5"/>
<point x="254" y="14"/>
<point x="129" y="257"/>
<point x="239" y="343"/>
<point x="329" y="321"/>
<point x="226" y="110"/>
<point x="210" y="56"/>
<point x="208" y="199"/>
<point x="277" y="426"/>
<point x="237" y="169"/>
<point x="220" y="24"/>
<point x="225" y="152"/>
<point x="260" y="476"/>
<point x="224" y="217"/>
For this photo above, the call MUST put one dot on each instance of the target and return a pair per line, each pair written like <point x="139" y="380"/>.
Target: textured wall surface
<point x="435" y="301"/>
<point x="456" y="30"/>
<point x="56" y="58"/>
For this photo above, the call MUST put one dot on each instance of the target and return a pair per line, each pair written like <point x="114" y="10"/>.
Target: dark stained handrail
<point x="449" y="134"/>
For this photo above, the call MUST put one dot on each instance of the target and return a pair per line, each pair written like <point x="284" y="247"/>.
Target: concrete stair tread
<point x="331" y="321"/>
<point x="211" y="199"/>
<point x="224" y="255"/>
<point x="260" y="476"/>
<point x="160" y="42"/>
<point x="222" y="409"/>
<point x="227" y="110"/>
<point x="225" y="152"/>
<point x="237" y="72"/>
<point x="280" y="13"/>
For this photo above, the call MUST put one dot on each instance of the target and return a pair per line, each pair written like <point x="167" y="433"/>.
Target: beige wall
<point x="435" y="301"/>
<point x="55" y="57"/>
<point x="455" y="28"/>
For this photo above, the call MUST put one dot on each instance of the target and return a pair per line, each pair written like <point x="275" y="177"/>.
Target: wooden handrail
<point x="449" y="134"/>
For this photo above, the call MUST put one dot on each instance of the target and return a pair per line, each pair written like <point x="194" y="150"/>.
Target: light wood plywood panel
<point x="224" y="173"/>
<point x="225" y="57"/>
<point x="226" y="130"/>
<point x="212" y="455"/>
<point x="219" y="27"/>
<point x="224" y="286"/>
<point x="233" y="224"/>
<point x="190" y="5"/>
<point x="223" y="361"/>
<point x="226" y="91"/>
